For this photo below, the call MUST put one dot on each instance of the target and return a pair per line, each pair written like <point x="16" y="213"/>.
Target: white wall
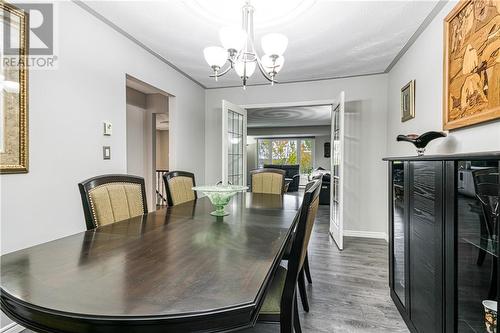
<point x="162" y="149"/>
<point x="67" y="108"/>
<point x="135" y="118"/>
<point x="366" y="109"/>
<point x="424" y="63"/>
<point x="319" y="152"/>
<point x="135" y="140"/>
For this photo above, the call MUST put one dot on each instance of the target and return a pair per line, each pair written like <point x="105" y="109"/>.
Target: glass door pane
<point x="477" y="241"/>
<point x="235" y="147"/>
<point x="399" y="230"/>
<point x="264" y="152"/>
<point x="284" y="152"/>
<point x="335" y="176"/>
<point x="306" y="156"/>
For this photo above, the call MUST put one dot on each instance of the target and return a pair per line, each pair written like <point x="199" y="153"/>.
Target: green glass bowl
<point x="220" y="195"/>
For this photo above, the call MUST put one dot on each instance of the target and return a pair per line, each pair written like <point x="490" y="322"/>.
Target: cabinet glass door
<point x="399" y="230"/>
<point x="477" y="242"/>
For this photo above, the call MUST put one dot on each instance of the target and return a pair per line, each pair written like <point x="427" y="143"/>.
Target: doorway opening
<point x="304" y="139"/>
<point x="148" y="139"/>
<point x="292" y="138"/>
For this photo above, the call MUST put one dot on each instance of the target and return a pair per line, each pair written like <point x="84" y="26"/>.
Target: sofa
<point x="292" y="172"/>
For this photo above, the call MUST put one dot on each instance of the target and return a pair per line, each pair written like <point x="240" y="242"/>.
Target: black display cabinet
<point x="443" y="239"/>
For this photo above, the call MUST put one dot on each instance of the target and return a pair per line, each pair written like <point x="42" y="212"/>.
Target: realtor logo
<point x="40" y="34"/>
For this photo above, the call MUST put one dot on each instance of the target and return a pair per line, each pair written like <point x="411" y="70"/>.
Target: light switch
<point x="106" y="152"/>
<point x="108" y="128"/>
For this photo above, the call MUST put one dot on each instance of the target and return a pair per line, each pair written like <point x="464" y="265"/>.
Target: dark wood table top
<point x="178" y="266"/>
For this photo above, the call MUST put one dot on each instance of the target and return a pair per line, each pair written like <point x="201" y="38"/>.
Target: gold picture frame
<point x="408" y="101"/>
<point x="14" y="94"/>
<point x="471" y="92"/>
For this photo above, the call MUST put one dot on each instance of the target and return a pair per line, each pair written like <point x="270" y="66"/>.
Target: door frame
<point x="316" y="102"/>
<point x="226" y="105"/>
<point x="338" y="233"/>
<point x="149" y="128"/>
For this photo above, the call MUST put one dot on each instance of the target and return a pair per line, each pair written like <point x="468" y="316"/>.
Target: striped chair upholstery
<point x="179" y="186"/>
<point x="267" y="180"/>
<point x="111" y="198"/>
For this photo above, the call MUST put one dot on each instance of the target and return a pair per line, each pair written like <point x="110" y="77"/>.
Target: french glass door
<point x="337" y="173"/>
<point x="234" y="139"/>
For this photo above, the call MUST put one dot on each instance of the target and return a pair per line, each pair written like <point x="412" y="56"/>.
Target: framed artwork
<point x="471" y="64"/>
<point x="408" y="101"/>
<point x="13" y="90"/>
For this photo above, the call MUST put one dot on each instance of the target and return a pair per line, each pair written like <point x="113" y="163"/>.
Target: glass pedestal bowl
<point x="220" y="195"/>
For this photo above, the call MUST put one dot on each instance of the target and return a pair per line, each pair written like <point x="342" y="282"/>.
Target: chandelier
<point x="238" y="51"/>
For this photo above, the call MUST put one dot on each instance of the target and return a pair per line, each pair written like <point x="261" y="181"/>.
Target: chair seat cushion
<point x="272" y="302"/>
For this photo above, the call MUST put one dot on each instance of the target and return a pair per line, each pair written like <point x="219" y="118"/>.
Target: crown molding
<point x="425" y="23"/>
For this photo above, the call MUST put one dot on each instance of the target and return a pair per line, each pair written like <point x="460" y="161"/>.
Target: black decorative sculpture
<point x="421" y="141"/>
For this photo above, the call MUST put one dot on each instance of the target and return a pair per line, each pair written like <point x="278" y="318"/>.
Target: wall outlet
<point x="106" y="152"/>
<point x="108" y="128"/>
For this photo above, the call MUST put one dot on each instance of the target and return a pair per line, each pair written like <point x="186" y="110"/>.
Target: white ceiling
<point x="326" y="38"/>
<point x="289" y="116"/>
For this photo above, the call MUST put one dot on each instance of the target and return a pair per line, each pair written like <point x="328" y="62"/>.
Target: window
<point x="287" y="151"/>
<point x="306" y="155"/>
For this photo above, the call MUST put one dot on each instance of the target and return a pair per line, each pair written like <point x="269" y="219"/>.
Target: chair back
<point x="267" y="180"/>
<point x="179" y="185"/>
<point x="489" y="175"/>
<point x="108" y="199"/>
<point x="488" y="195"/>
<point x="487" y="189"/>
<point x="300" y="242"/>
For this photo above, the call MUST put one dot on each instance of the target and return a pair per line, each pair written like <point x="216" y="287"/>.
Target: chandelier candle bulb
<point x="215" y="56"/>
<point x="274" y="44"/>
<point x="245" y="69"/>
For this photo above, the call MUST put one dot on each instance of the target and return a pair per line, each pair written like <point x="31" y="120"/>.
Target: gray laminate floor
<point x="350" y="291"/>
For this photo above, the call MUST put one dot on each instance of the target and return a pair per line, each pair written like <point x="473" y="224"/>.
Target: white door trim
<point x="317" y="102"/>
<point x="337" y="231"/>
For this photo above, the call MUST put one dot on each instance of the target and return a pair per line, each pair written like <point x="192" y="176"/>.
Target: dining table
<point x="176" y="269"/>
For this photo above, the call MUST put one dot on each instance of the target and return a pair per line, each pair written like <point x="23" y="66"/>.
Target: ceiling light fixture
<point x="238" y="51"/>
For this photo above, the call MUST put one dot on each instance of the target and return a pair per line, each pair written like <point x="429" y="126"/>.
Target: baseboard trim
<point x="366" y="234"/>
<point x="12" y="328"/>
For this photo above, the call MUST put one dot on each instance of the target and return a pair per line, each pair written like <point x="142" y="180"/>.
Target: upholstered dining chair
<point x="267" y="180"/>
<point x="179" y="185"/>
<point x="305" y="272"/>
<point x="280" y="303"/>
<point x="108" y="199"/>
<point x="488" y="176"/>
